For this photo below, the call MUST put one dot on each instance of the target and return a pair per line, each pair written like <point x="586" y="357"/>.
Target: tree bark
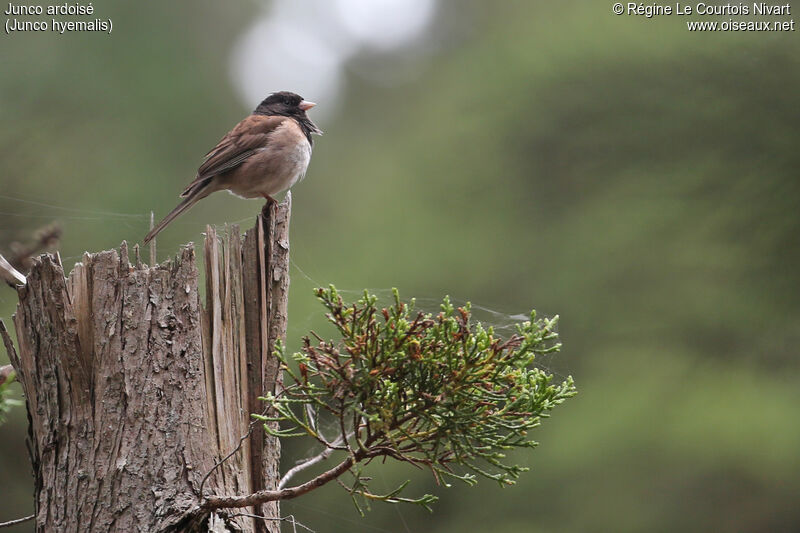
<point x="136" y="393"/>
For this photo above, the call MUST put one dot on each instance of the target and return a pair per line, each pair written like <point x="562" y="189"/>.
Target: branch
<point x="17" y="521"/>
<point x="288" y="518"/>
<point x="330" y="447"/>
<point x="393" y="377"/>
<point x="45" y="239"/>
<point x="5" y="372"/>
<point x="11" y="275"/>
<point x="263" y="496"/>
<point x="435" y="391"/>
<point x="311" y="461"/>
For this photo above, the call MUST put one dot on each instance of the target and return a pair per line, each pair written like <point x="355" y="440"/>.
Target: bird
<point x="264" y="154"/>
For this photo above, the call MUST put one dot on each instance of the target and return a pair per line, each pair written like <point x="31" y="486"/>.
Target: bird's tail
<point x="192" y="198"/>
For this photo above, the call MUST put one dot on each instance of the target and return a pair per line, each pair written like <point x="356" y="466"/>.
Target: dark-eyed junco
<point x="264" y="154"/>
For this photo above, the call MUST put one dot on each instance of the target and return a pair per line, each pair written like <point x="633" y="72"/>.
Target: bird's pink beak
<point x="306" y="105"/>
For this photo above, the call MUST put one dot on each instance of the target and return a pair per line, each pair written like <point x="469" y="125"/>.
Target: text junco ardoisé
<point x="264" y="154"/>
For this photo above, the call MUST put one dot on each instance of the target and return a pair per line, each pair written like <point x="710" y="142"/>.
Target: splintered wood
<point x="138" y="396"/>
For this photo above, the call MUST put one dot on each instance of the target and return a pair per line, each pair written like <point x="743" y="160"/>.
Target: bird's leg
<point x="270" y="206"/>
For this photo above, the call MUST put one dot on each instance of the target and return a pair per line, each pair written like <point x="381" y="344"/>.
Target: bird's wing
<point x="245" y="139"/>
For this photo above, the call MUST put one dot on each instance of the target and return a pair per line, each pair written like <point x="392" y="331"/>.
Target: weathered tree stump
<point x="136" y="392"/>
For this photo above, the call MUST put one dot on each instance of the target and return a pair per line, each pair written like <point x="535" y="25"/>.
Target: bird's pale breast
<point x="274" y="168"/>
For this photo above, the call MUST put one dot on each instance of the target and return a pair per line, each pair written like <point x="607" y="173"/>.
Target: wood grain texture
<point x="276" y="277"/>
<point x="135" y="392"/>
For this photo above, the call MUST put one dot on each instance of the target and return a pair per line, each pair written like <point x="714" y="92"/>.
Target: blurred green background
<point x="638" y="179"/>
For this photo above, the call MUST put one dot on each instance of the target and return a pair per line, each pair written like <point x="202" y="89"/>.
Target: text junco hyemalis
<point x="264" y="154"/>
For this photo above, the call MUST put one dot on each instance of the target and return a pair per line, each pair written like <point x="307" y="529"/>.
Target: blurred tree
<point x="656" y="166"/>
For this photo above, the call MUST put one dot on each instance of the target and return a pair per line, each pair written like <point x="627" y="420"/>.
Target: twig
<point x="231" y="454"/>
<point x="11" y="275"/>
<point x="5" y="371"/>
<point x="17" y="521"/>
<point x="152" y="242"/>
<point x="287" y="518"/>
<point x="137" y="256"/>
<point x="45" y="239"/>
<point x="263" y="496"/>
<point x="238" y="447"/>
<point x="311" y="461"/>
<point x="330" y="447"/>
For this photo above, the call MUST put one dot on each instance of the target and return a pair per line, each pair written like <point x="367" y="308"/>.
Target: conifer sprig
<point x="436" y="391"/>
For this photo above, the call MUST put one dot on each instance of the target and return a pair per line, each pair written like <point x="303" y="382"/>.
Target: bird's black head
<point x="281" y="103"/>
<point x="288" y="104"/>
